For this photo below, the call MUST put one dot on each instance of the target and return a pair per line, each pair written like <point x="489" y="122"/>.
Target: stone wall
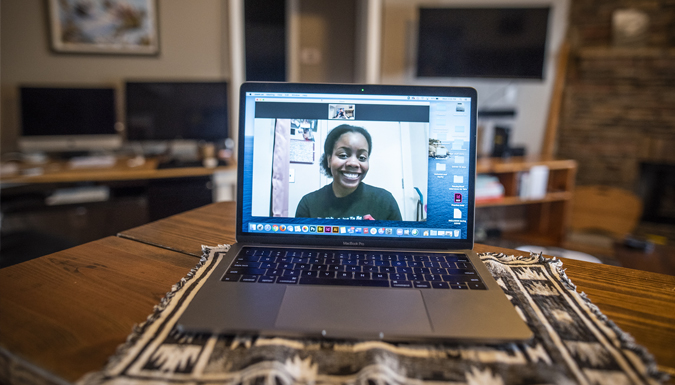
<point x="619" y="102"/>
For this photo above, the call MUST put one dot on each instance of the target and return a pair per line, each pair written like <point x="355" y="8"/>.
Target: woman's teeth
<point x="350" y="175"/>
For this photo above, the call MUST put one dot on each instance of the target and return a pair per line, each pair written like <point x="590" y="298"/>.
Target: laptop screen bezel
<point x="350" y="241"/>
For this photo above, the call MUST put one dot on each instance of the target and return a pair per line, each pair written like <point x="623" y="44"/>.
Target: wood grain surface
<point x="68" y="312"/>
<point x="210" y="225"/>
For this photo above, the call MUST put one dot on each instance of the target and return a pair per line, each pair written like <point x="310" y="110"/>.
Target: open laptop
<point x="381" y="248"/>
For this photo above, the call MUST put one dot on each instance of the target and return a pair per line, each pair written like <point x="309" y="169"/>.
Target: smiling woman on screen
<point x="346" y="159"/>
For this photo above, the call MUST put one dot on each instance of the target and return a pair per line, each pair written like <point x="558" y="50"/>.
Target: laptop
<point x="355" y="219"/>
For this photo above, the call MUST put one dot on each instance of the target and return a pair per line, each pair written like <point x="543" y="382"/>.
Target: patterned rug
<point x="574" y="343"/>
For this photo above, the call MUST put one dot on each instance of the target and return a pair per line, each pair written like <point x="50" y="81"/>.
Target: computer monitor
<point x="163" y="111"/>
<point x="62" y="119"/>
<point x="482" y="42"/>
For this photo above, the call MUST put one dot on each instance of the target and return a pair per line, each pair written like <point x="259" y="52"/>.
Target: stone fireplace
<point x="618" y="113"/>
<point x="657" y="186"/>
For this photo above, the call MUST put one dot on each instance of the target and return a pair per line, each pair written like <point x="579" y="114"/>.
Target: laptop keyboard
<point x="354" y="268"/>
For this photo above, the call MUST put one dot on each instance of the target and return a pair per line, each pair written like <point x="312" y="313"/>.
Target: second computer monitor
<point x="159" y="111"/>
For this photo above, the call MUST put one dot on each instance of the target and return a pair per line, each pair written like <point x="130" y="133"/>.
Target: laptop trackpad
<point x="354" y="311"/>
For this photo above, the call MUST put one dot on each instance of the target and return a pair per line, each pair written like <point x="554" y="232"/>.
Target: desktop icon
<point x="252" y="227"/>
<point x="373" y="231"/>
<point x="319" y="229"/>
<point x="304" y="228"/>
<point x="275" y="227"/>
<point x="433" y="233"/>
<point x="268" y="227"/>
<point x="381" y="230"/>
<point x="312" y="229"/>
<point x="457" y="213"/>
<point x="297" y="229"/>
<point x="282" y="227"/>
<point x="406" y="232"/>
<point x="343" y="230"/>
<point x="358" y="230"/>
<point x="399" y="231"/>
<point x="336" y="229"/>
<point x="290" y="229"/>
<point x="415" y="232"/>
<point x="426" y="233"/>
<point x="328" y="229"/>
<point x="458" y="198"/>
<point x="260" y="227"/>
<point x="456" y="233"/>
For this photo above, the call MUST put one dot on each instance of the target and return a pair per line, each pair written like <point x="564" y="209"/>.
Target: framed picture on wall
<point x="104" y="26"/>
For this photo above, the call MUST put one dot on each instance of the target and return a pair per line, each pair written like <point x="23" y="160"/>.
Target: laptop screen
<point x="356" y="165"/>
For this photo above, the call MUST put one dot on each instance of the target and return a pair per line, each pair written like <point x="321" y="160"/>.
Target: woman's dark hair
<point x="333" y="137"/>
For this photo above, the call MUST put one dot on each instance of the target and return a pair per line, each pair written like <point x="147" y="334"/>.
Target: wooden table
<point x="64" y="314"/>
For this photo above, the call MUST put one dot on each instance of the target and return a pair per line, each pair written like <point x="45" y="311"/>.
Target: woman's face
<point x="348" y="163"/>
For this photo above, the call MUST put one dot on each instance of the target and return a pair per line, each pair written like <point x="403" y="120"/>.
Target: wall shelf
<point x="514" y="201"/>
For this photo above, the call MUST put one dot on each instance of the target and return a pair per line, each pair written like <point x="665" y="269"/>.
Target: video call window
<point x="377" y="174"/>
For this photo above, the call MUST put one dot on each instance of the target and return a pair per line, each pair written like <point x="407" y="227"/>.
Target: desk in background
<point x="66" y="313"/>
<point x="124" y="169"/>
<point x="50" y="207"/>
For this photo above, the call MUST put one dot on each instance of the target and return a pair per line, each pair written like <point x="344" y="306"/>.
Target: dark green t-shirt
<point x="366" y="200"/>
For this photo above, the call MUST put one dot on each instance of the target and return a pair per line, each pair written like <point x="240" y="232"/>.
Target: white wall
<point x="530" y="98"/>
<point x="419" y="165"/>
